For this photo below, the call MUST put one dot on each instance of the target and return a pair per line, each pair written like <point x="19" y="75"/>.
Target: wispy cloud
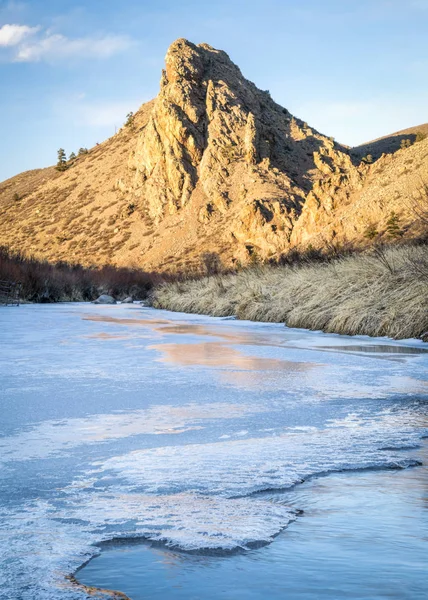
<point x="103" y="114"/>
<point x="86" y="112"/>
<point x="12" y="35"/>
<point x="8" y="8"/>
<point x="31" y="44"/>
<point x="56" y="47"/>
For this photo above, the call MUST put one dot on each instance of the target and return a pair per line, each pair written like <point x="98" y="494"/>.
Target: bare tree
<point x="417" y="202"/>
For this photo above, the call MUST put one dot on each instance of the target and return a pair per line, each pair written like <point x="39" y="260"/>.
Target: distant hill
<point x="212" y="169"/>
<point x="391" y="143"/>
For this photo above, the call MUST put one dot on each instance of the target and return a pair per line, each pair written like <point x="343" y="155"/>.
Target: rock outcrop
<point x="212" y="166"/>
<point x="104" y="299"/>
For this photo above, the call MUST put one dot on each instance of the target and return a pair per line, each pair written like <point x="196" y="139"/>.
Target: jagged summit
<point x="187" y="61"/>
<point x="211" y="165"/>
<point x="215" y="139"/>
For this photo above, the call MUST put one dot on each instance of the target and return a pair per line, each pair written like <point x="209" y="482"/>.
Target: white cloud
<point x="84" y="112"/>
<point x="103" y="114"/>
<point x="12" y="35"/>
<point x="56" y="47"/>
<point x="30" y="44"/>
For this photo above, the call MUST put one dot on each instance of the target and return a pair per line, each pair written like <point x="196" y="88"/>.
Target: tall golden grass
<point x="383" y="293"/>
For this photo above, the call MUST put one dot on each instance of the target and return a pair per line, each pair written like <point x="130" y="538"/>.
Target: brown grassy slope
<point x="390" y="143"/>
<point x="212" y="165"/>
<point x="84" y="215"/>
<point x="25" y="183"/>
<point x="383" y="294"/>
<point x="78" y="215"/>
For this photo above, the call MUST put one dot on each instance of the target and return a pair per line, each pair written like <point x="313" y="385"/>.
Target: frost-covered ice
<point x="122" y="421"/>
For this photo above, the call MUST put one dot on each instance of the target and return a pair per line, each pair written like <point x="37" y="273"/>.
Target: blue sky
<point x="70" y="72"/>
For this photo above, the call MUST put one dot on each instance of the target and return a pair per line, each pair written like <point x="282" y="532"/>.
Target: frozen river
<point x="208" y="436"/>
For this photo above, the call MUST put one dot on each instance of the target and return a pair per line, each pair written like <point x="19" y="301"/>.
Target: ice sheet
<point x="125" y="421"/>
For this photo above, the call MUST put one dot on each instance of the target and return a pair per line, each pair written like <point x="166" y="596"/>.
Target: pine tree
<point x="72" y="156"/>
<point x="130" y="120"/>
<point x="393" y="228"/>
<point x="82" y="151"/>
<point x="61" y="165"/>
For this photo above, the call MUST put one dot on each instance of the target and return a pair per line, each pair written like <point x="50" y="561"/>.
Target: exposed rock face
<point x="213" y="139"/>
<point x="339" y="179"/>
<point x="349" y="202"/>
<point x="212" y="165"/>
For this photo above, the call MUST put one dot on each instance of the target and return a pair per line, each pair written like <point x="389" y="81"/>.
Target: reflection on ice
<point x="216" y="354"/>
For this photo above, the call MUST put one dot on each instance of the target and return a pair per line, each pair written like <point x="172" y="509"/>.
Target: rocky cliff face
<point x="215" y="141"/>
<point x="212" y="166"/>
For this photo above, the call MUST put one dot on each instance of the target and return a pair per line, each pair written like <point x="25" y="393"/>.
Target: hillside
<point x="392" y="142"/>
<point x="213" y="166"/>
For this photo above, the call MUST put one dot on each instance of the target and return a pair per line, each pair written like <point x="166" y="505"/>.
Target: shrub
<point x="371" y="232"/>
<point x="212" y="263"/>
<point x="47" y="282"/>
<point x="405" y="143"/>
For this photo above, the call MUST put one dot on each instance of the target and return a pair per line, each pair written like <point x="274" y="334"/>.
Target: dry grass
<point x="384" y="293"/>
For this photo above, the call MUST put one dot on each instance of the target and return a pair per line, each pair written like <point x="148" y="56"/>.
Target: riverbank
<point x="41" y="281"/>
<point x="384" y="293"/>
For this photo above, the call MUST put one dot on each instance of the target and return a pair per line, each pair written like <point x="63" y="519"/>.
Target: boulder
<point x="127" y="300"/>
<point x="105" y="299"/>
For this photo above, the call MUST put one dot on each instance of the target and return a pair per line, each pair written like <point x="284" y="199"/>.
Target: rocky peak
<point x="215" y="135"/>
<point x="213" y="165"/>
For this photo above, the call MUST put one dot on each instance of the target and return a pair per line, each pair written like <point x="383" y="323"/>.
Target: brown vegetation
<point x="381" y="293"/>
<point x="60" y="282"/>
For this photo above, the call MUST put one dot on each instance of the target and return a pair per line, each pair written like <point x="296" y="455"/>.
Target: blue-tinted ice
<point x="124" y="421"/>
